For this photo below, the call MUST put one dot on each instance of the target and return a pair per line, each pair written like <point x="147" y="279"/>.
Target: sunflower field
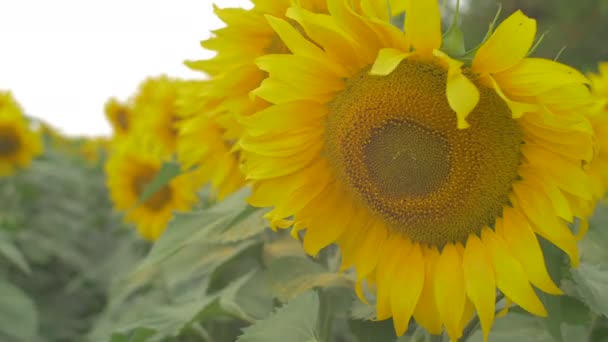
<point x="341" y="170"/>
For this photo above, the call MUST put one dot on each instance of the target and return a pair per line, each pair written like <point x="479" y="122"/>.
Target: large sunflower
<point x="130" y="168"/>
<point x="18" y="143"/>
<point x="433" y="174"/>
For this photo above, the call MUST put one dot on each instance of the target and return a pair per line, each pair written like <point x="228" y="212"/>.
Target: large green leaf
<point x="290" y="276"/>
<point x="165" y="321"/>
<point x="196" y="227"/>
<point x="295" y="321"/>
<point x="18" y="314"/>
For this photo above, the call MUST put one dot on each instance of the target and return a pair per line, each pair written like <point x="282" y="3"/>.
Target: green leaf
<point x="295" y="321"/>
<point x="370" y="331"/>
<point x="249" y="298"/>
<point x="18" y="314"/>
<point x="167" y="172"/>
<point x="166" y="321"/>
<point x="516" y="326"/>
<point x="12" y="253"/>
<point x="290" y="276"/>
<point x="195" y="227"/>
<point x="591" y="276"/>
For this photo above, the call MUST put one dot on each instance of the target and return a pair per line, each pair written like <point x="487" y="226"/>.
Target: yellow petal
<point x="537" y="207"/>
<point x="462" y="94"/>
<point x="355" y="27"/>
<point x="406" y="288"/>
<point x="507" y="46"/>
<point x="285" y="117"/>
<point x="323" y="30"/>
<point x="566" y="173"/>
<point x="376" y="9"/>
<point x="426" y="313"/>
<point x="560" y="202"/>
<point x="387" y="267"/>
<point x="326" y="227"/>
<point x="518" y="109"/>
<point x="369" y="249"/>
<point x="480" y="282"/>
<point x="510" y="276"/>
<point x="423" y="25"/>
<point x="533" y="76"/>
<point x="297" y="44"/>
<point x="467" y="315"/>
<point x="450" y="290"/>
<point x="523" y="243"/>
<point x="387" y="61"/>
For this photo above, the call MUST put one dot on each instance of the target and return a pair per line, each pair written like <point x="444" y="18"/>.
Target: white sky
<point x="62" y="59"/>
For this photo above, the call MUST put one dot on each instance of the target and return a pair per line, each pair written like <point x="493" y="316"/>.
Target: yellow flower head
<point x="155" y="113"/>
<point x="18" y="143"/>
<point x="130" y="169"/>
<point x="204" y="144"/>
<point x="120" y="116"/>
<point x="599" y="120"/>
<point x="434" y="173"/>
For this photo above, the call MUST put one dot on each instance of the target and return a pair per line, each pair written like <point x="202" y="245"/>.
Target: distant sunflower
<point x="130" y="169"/>
<point x="120" y="116"/>
<point x="599" y="120"/>
<point x="19" y="144"/>
<point x="204" y="144"/>
<point x="155" y="112"/>
<point x="433" y="176"/>
<point x="93" y="149"/>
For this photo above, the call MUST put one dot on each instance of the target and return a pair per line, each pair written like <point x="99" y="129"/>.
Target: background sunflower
<point x="19" y="143"/>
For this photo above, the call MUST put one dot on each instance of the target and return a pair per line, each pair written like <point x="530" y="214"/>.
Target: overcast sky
<point x="62" y="59"/>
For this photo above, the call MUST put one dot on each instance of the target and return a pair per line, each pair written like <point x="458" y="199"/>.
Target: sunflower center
<point x="9" y="141"/>
<point x="122" y="118"/>
<point x="393" y="141"/>
<point x="403" y="157"/>
<point x="159" y="199"/>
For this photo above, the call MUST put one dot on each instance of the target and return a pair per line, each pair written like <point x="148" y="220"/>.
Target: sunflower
<point x="94" y="149"/>
<point x="130" y="169"/>
<point x="434" y="173"/>
<point x="18" y="143"/>
<point x="599" y="120"/>
<point x="120" y="116"/>
<point x="204" y="143"/>
<point x="155" y="112"/>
